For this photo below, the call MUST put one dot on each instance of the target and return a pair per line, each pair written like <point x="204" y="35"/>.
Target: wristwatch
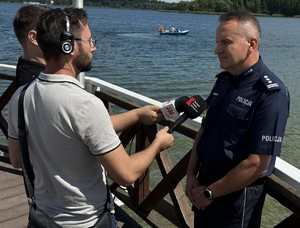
<point x="208" y="194"/>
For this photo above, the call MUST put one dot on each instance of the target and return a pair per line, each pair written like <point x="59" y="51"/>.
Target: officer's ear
<point x="252" y="44"/>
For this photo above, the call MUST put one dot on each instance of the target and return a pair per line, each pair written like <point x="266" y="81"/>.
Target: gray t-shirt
<point x="66" y="126"/>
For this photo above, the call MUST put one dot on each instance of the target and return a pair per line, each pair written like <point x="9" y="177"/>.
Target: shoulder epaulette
<point x="270" y="83"/>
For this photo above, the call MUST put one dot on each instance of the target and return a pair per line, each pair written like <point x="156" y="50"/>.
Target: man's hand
<point x="164" y="138"/>
<point x="191" y="182"/>
<point x="149" y="114"/>
<point x="198" y="198"/>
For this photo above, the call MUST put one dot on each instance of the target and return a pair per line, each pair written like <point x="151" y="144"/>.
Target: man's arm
<point x="14" y="153"/>
<point x="147" y="115"/>
<point x="245" y="173"/>
<point x="192" y="170"/>
<point x="125" y="169"/>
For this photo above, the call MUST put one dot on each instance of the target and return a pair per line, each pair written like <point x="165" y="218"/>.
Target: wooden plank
<point x="179" y="200"/>
<point x="141" y="186"/>
<point x="10" y="182"/>
<point x="187" y="131"/>
<point x="152" y="220"/>
<point x="18" y="222"/>
<point x="3" y="125"/>
<point x="13" y="201"/>
<point x="284" y="194"/>
<point x="5" y="97"/>
<point x="116" y="100"/>
<point x="160" y="191"/>
<point x="290" y="222"/>
<point x="7" y="77"/>
<point x="127" y="135"/>
<point x="14" y="212"/>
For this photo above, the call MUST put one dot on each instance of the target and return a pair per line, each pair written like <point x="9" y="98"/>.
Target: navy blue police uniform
<point x="247" y="113"/>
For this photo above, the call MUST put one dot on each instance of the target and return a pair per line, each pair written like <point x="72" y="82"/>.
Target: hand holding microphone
<point x="191" y="107"/>
<point x="168" y="110"/>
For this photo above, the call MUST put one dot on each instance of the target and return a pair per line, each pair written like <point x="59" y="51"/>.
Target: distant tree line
<point x="270" y="7"/>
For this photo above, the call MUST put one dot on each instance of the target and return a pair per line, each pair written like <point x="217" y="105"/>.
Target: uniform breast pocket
<point x="237" y="121"/>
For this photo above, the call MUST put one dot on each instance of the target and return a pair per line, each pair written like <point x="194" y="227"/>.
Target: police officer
<point x="242" y="132"/>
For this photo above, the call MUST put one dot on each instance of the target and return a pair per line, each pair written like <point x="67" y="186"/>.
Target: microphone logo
<point x="191" y="107"/>
<point x="190" y="101"/>
<point x="170" y="111"/>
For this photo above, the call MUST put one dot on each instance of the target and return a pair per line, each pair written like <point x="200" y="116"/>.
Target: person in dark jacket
<point x="32" y="61"/>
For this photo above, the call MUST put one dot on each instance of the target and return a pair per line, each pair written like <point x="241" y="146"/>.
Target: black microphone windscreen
<point x="192" y="108"/>
<point x="180" y="103"/>
<point x="195" y="106"/>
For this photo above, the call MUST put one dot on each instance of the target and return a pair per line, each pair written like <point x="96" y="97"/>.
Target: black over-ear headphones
<point x="67" y="39"/>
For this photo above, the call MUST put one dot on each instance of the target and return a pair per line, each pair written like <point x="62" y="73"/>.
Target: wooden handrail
<point x="142" y="198"/>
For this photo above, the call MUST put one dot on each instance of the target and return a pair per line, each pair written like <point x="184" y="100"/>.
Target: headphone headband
<point x="67" y="38"/>
<point x="67" y="24"/>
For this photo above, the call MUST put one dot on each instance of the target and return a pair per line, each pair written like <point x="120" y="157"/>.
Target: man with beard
<point x="72" y="140"/>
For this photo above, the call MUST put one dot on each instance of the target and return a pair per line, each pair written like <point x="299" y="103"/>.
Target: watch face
<point x="207" y="193"/>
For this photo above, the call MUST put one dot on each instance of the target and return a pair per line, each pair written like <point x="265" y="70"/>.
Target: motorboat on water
<point x="179" y="32"/>
<point x="172" y="31"/>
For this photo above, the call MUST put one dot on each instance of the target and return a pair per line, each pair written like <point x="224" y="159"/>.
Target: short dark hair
<point x="53" y="23"/>
<point x="26" y="19"/>
<point x="243" y="17"/>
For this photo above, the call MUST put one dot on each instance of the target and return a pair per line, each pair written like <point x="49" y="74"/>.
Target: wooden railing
<point x="4" y="99"/>
<point x="163" y="199"/>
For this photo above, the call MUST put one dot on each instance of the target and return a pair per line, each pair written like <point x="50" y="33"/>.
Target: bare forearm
<point x="125" y="169"/>
<point x="142" y="160"/>
<point x="124" y="120"/>
<point x="147" y="115"/>
<point x="14" y="153"/>
<point x="129" y="168"/>
<point x="241" y="176"/>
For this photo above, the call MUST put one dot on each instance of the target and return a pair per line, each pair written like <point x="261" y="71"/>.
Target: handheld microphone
<point x="180" y="102"/>
<point x="191" y="108"/>
<point x="169" y="109"/>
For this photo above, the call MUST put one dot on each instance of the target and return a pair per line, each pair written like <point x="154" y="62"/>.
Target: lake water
<point x="131" y="54"/>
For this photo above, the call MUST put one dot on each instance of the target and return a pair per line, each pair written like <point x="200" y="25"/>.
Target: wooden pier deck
<point x="13" y="202"/>
<point x="14" y="206"/>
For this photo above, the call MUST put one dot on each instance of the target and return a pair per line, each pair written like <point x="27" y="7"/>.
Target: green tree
<point x="289" y="7"/>
<point x="223" y="5"/>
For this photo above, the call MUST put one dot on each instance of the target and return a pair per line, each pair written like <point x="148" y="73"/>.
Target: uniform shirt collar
<point x="247" y="72"/>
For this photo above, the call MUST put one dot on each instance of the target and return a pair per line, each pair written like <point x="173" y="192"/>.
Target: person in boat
<point x="72" y="140"/>
<point x="241" y="133"/>
<point x="161" y="29"/>
<point x="32" y="61"/>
